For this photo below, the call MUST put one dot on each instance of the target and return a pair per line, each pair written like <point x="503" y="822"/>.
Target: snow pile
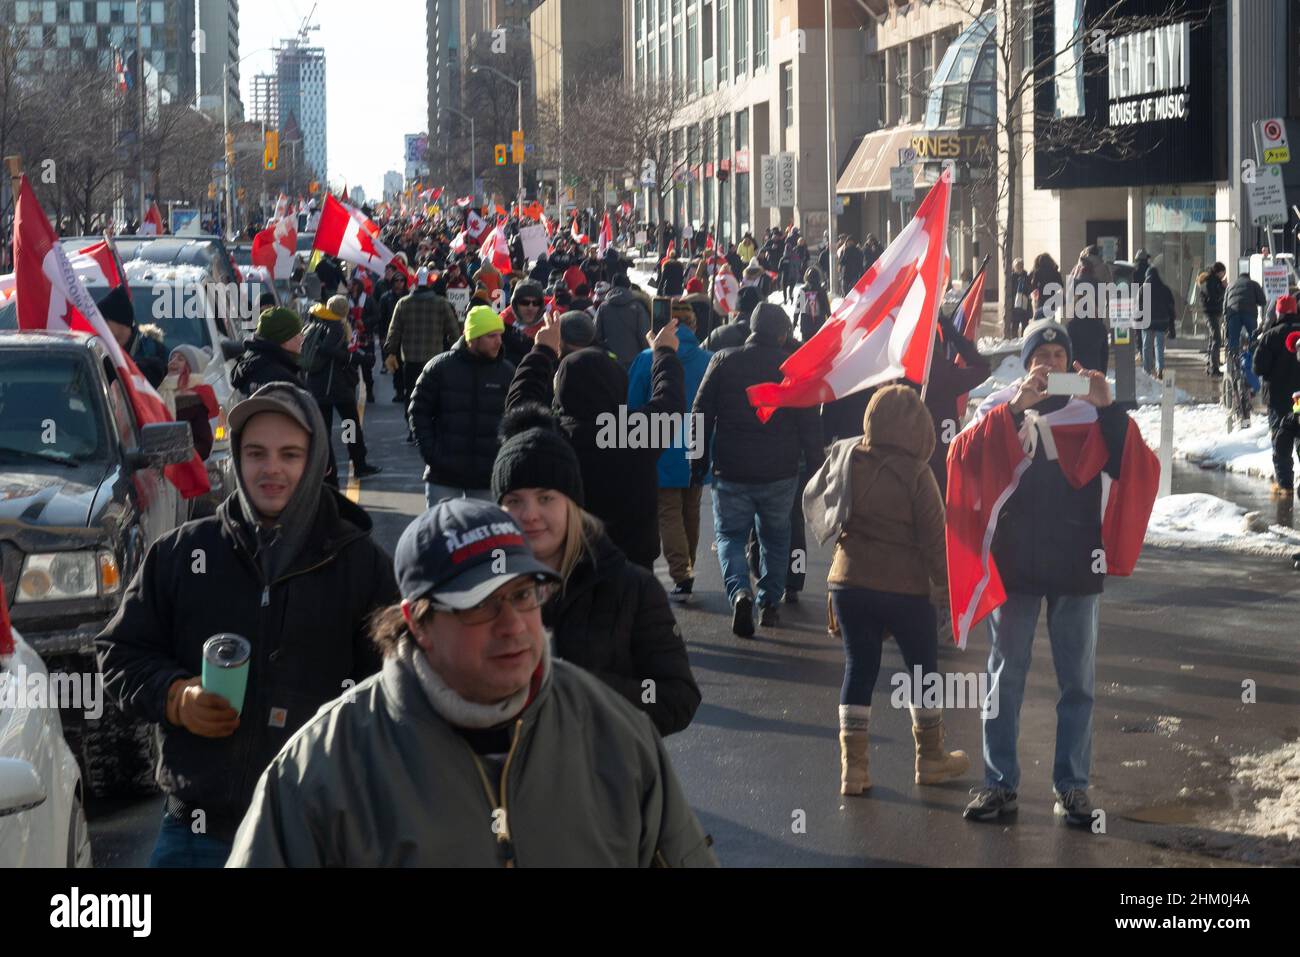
<point x="139" y="271"/>
<point x="1273" y="778"/>
<point x="1201" y="437"/>
<point x="993" y="345"/>
<point x="1200" y="521"/>
<point x="1150" y="391"/>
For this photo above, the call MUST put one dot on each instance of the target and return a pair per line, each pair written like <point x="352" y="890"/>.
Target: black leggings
<point x="864" y="615"/>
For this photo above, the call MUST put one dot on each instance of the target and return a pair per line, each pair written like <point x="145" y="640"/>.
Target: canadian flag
<point x="579" y="238"/>
<point x="464" y="201"/>
<point x="726" y="290"/>
<point x="883" y="329"/>
<point x="153" y="224"/>
<point x="475" y="226"/>
<point x="281" y="208"/>
<point x="95" y="265"/>
<point x="496" y="250"/>
<point x="458" y="243"/>
<point x="50" y="296"/>
<point x="350" y="238"/>
<point x="606" y="238"/>
<point x="274" y="248"/>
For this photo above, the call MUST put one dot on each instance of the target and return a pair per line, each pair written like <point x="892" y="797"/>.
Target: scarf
<point x="454" y="709"/>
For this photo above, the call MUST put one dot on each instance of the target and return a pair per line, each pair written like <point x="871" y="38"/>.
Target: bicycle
<point x="1238" y="386"/>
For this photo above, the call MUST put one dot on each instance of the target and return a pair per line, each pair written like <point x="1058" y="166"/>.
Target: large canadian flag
<point x="50" y="296"/>
<point x="726" y="290"/>
<point x="95" y="265"/>
<point x="274" y="248"/>
<point x="883" y="329"/>
<point x="351" y="238"/>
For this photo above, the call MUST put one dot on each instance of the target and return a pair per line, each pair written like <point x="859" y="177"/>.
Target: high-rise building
<point x="216" y="53"/>
<point x="264" y="100"/>
<point x="393" y="186"/>
<point x="300" y="95"/>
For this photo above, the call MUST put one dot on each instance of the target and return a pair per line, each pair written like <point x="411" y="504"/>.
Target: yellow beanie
<point x="482" y="321"/>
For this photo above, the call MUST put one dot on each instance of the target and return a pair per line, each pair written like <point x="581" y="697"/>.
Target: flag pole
<point x="934" y="319"/>
<point x="15" y="166"/>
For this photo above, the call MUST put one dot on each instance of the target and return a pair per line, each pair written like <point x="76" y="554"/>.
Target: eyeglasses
<point x="530" y="302"/>
<point x="528" y="598"/>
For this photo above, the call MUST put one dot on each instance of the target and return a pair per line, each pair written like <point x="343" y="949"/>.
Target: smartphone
<point x="661" y="312"/>
<point x="1067" y="383"/>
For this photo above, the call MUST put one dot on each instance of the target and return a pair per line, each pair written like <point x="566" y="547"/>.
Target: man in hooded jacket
<point x="622" y="324"/>
<point x="287" y="564"/>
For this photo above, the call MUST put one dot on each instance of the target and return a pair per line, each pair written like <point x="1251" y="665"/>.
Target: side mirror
<point x="20" y="787"/>
<point x="231" y="350"/>
<point x="163" y="444"/>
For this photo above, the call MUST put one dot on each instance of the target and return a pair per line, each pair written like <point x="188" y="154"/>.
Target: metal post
<point x="831" y="225"/>
<point x="473" y="166"/>
<point x="519" y="90"/>
<point x="1167" y="398"/>
<point x="139" y="64"/>
<point x="225" y="141"/>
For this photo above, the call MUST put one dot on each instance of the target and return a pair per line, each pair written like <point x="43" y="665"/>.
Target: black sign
<point x="1154" y="84"/>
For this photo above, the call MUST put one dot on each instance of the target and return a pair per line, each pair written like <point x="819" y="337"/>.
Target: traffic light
<point x="270" y="149"/>
<point x="500" y="151"/>
<point x="517" y="147"/>
<point x="212" y="191"/>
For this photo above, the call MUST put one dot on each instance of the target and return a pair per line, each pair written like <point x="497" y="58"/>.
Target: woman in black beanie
<point x="609" y="617"/>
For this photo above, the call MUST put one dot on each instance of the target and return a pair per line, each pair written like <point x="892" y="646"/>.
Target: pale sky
<point x="375" y="76"/>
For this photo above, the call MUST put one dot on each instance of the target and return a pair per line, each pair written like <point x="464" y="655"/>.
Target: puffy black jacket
<point x="335" y="380"/>
<point x="743" y="448"/>
<point x="263" y="361"/>
<point x="620" y="484"/>
<point x="1091" y="342"/>
<point x="1244" y="296"/>
<point x="1164" y="311"/>
<point x="1048" y="536"/>
<point x="622" y="324"/>
<point x="1278" y="365"/>
<point x="672" y="278"/>
<point x="308" y="628"/>
<point x="1209" y="296"/>
<point x="455" y="411"/>
<point x="613" y="620"/>
<point x="733" y="335"/>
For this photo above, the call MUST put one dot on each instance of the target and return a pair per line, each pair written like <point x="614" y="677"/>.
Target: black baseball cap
<point x="462" y="550"/>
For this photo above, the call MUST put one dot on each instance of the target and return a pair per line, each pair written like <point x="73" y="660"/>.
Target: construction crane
<point x="308" y="26"/>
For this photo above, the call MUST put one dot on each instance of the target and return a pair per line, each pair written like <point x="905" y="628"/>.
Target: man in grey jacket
<point x="472" y="747"/>
<point x="622" y="323"/>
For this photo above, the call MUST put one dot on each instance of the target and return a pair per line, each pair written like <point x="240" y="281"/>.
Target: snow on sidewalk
<point x="1150" y="390"/>
<point x="1201" y="437"/>
<point x="1198" y="521"/>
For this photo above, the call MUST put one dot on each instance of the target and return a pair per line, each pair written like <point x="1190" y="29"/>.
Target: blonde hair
<point x="580" y="532"/>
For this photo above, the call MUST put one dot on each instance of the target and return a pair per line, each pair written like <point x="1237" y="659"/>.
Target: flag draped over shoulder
<point x="51" y="297"/>
<point x="985" y="464"/>
<point x="884" y="327"/>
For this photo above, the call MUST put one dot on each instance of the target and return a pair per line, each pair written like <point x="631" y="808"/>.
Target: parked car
<point x="82" y="496"/>
<point x="42" y="802"/>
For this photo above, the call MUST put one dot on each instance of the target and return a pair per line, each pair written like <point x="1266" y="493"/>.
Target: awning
<point x="868" y="169"/>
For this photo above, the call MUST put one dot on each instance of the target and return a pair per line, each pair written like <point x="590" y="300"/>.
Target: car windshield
<point x="50" y="408"/>
<point x="174" y="308"/>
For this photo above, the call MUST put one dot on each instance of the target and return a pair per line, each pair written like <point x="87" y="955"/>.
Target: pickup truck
<point x="82" y="496"/>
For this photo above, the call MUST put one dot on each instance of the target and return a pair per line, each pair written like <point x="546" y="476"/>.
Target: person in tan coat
<point x="877" y="497"/>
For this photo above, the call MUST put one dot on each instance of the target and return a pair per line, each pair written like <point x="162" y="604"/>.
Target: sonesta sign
<point x="1149" y="74"/>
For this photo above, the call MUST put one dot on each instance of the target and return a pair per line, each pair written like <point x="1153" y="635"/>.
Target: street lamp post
<point x="519" y="91"/>
<point x="831" y="224"/>
<point x="473" y="168"/>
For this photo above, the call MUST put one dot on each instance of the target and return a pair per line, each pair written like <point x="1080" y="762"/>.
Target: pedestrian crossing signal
<point x="501" y="154"/>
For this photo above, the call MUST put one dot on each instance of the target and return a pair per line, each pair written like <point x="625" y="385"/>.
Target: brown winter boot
<point x="854" y="775"/>
<point x="855" y="719"/>
<point x="933" y="763"/>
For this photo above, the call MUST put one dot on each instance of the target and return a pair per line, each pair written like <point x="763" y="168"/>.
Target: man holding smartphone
<point x="1026" y="485"/>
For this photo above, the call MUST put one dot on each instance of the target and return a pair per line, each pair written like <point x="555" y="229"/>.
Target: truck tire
<point x="118" y="755"/>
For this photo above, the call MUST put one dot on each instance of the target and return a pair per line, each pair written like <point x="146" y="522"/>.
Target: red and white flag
<point x="95" y="265"/>
<point x="726" y="290"/>
<point x="606" y="238"/>
<point x="458" y="243"/>
<point x="579" y="238"/>
<point x="50" y="296"/>
<point x="153" y="224"/>
<point x="496" y="250"/>
<point x="464" y="201"/>
<point x="281" y="208"/>
<point x="349" y="238"/>
<point x="274" y="248"/>
<point x="476" y="226"/>
<point x="883" y="329"/>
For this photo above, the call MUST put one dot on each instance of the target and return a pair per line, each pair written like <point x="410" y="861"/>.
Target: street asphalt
<point x="760" y="762"/>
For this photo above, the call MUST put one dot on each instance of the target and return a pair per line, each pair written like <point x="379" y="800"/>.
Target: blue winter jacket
<point x="674" y="467"/>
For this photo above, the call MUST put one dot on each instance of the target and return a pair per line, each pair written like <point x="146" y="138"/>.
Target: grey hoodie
<point x="622" y="324"/>
<point x="277" y="545"/>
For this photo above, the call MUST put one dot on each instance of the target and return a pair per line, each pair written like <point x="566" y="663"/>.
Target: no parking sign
<point x="1273" y="142"/>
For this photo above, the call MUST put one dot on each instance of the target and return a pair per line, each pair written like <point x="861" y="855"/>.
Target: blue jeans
<point x="865" y="615"/>
<point x="435" y="493"/>
<point x="1072" y="629"/>
<point x="765" y="507"/>
<point x="1237" y="322"/>
<point x="179" y="846"/>
<point x="1153" y="351"/>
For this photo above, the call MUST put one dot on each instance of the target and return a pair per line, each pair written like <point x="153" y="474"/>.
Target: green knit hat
<point x="278" y="325"/>
<point x="482" y="321"/>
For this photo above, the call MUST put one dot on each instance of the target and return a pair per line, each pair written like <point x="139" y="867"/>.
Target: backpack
<point x="313" y="359"/>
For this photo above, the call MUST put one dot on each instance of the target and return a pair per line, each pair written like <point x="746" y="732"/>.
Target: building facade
<point x="217" y="56"/>
<point x="300" y="96"/>
<point x="394" y="184"/>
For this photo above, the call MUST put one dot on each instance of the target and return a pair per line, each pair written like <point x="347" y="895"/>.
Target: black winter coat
<point x="620" y="485"/>
<point x="336" y="380"/>
<point x="1244" y="296"/>
<point x="1164" y="311"/>
<point x="455" y="412"/>
<point x="733" y="335"/>
<point x="1091" y="343"/>
<point x="309" y="630"/>
<point x="672" y="278"/>
<point x="743" y="448"/>
<point x="1048" y="535"/>
<point x="1209" y="296"/>
<point x="262" y="362"/>
<point x="613" y="620"/>
<point x="1278" y="365"/>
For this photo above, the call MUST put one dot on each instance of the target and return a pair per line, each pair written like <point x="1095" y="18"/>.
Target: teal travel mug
<point x="225" y="667"/>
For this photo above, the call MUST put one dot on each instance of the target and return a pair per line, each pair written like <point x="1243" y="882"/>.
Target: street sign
<point x="767" y="169"/>
<point x="901" y="189"/>
<point x="1267" y="197"/>
<point x="906" y="156"/>
<point x="1273" y="141"/>
<point x="786" y="179"/>
<point x="1275" y="281"/>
